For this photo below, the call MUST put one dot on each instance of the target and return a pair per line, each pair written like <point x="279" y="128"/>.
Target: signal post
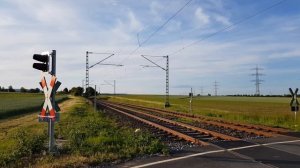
<point x="294" y="103"/>
<point x="50" y="110"/>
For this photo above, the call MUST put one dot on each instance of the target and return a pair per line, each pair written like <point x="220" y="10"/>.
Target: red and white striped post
<point x="50" y="110"/>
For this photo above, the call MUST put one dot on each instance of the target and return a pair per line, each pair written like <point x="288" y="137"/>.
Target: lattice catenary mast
<point x="98" y="63"/>
<point x="167" y="102"/>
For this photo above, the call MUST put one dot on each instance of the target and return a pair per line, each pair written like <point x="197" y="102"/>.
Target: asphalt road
<point x="280" y="152"/>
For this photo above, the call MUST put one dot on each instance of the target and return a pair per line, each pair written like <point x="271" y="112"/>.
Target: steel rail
<point x="208" y="132"/>
<point x="173" y="132"/>
<point x="221" y="123"/>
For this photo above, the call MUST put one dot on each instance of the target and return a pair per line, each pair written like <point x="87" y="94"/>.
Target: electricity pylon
<point x="257" y="79"/>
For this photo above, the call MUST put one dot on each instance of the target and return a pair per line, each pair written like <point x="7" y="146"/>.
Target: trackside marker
<point x="47" y="93"/>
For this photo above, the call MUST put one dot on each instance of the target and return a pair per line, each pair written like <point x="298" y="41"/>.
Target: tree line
<point x="76" y="91"/>
<point x="22" y="89"/>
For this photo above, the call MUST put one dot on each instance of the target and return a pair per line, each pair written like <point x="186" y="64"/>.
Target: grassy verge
<point x="255" y="110"/>
<point x="86" y="138"/>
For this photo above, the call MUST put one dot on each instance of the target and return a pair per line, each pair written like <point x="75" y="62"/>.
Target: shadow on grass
<point x="18" y="112"/>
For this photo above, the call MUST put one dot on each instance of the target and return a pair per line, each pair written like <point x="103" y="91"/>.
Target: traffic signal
<point x="44" y="65"/>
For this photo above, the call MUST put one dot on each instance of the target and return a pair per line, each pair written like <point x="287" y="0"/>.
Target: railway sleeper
<point x="171" y="126"/>
<point x="206" y="139"/>
<point x="187" y="138"/>
<point x="196" y="133"/>
<point x="202" y="136"/>
<point x="220" y="121"/>
<point x="191" y="132"/>
<point x="258" y="127"/>
<point x="183" y="129"/>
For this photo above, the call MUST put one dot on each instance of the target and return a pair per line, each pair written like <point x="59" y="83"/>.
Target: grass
<point x="272" y="111"/>
<point x="12" y="104"/>
<point x="88" y="138"/>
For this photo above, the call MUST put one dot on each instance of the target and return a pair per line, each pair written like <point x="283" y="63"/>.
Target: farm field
<point x="272" y="111"/>
<point x="84" y="138"/>
<point x="20" y="103"/>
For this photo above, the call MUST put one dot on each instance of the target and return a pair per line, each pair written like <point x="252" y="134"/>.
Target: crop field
<point x="272" y="111"/>
<point x="86" y="139"/>
<point x="20" y="103"/>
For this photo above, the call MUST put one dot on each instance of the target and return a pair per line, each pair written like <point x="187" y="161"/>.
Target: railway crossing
<point x="50" y="109"/>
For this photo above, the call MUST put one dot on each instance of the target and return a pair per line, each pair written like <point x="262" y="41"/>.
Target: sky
<point x="269" y="40"/>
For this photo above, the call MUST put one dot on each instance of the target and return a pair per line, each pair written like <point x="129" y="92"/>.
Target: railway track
<point x="182" y="131"/>
<point x="202" y="131"/>
<point x="249" y="128"/>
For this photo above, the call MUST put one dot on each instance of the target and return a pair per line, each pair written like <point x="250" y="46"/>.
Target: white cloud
<point x="134" y="24"/>
<point x="155" y="9"/>
<point x="173" y="26"/>
<point x="53" y="13"/>
<point x="202" y="18"/>
<point x="286" y="54"/>
<point x="72" y="29"/>
<point x="222" y="19"/>
<point x="6" y="20"/>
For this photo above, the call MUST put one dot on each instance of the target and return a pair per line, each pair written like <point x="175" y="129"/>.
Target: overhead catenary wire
<point x="230" y="26"/>
<point x="167" y="21"/>
<point x="207" y="37"/>
<point x="145" y="56"/>
<point x="102" y="59"/>
<point x="156" y="31"/>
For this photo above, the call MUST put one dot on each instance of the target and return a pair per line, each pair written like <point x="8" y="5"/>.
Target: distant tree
<point x="76" y="91"/>
<point x="73" y="90"/>
<point x="11" y="89"/>
<point x="23" y="90"/>
<point x="89" y="92"/>
<point x="66" y="91"/>
<point x="31" y="90"/>
<point x="80" y="91"/>
<point x="37" y="90"/>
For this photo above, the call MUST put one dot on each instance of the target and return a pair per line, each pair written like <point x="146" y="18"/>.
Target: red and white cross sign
<point x="47" y="92"/>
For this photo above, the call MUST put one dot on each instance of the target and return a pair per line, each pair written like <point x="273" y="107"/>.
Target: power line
<point x="163" y="25"/>
<point x="157" y="30"/>
<point x="207" y="37"/>
<point x="230" y="26"/>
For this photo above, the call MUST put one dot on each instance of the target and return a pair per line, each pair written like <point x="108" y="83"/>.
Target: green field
<point x="20" y="103"/>
<point x="87" y="138"/>
<point x="273" y="111"/>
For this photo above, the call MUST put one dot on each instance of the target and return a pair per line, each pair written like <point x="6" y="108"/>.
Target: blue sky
<point x="72" y="27"/>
